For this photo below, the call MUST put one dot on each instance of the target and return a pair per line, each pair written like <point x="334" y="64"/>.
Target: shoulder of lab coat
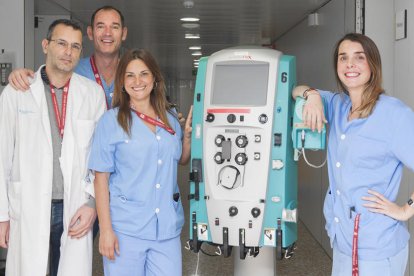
<point x="83" y="86"/>
<point x="91" y="89"/>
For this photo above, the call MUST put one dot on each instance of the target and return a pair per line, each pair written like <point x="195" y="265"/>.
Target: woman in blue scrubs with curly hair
<point x="371" y="139"/>
<point x="136" y="149"/>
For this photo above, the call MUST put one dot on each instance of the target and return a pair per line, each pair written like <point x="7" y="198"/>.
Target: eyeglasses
<point x="64" y="45"/>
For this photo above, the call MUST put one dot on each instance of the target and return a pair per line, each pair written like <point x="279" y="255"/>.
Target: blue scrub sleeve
<point x="175" y="124"/>
<point x="329" y="103"/>
<point x="177" y="128"/>
<point x="102" y="157"/>
<point x="403" y="137"/>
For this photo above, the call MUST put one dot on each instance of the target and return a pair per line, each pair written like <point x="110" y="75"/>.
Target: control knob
<point x="255" y="212"/>
<point x="219" y="139"/>
<point x="218" y="158"/>
<point x="263" y="118"/>
<point x="210" y="117"/>
<point x="231" y="118"/>
<point x="241" y="141"/>
<point x="241" y="158"/>
<point x="233" y="211"/>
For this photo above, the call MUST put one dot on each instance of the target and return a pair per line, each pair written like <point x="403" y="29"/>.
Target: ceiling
<point x="155" y="25"/>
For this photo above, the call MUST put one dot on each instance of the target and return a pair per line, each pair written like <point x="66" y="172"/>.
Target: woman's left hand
<point x="185" y="155"/>
<point x="377" y="203"/>
<point x="187" y="128"/>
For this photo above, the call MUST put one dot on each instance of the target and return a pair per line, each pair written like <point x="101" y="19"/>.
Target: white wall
<point x="13" y="30"/>
<point x="379" y="26"/>
<point x="403" y="89"/>
<point x="313" y="48"/>
<point x="28" y="33"/>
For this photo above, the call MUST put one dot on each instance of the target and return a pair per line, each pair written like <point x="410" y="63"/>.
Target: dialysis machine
<point x="243" y="178"/>
<point x="243" y="189"/>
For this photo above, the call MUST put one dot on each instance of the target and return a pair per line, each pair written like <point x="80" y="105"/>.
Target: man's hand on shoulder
<point x="19" y="78"/>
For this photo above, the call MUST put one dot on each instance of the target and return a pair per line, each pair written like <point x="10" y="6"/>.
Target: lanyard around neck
<point x="97" y="76"/>
<point x="153" y="121"/>
<point x="60" y="117"/>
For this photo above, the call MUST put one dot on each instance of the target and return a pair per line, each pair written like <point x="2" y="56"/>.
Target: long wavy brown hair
<point x="121" y="99"/>
<point x="373" y="88"/>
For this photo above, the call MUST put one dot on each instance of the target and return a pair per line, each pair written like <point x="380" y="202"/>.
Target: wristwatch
<point x="410" y="202"/>
<point x="306" y="93"/>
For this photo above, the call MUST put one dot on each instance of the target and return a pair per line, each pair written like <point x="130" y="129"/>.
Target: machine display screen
<point x="242" y="84"/>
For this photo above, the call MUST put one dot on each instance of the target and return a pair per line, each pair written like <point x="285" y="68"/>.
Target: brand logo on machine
<point x="242" y="55"/>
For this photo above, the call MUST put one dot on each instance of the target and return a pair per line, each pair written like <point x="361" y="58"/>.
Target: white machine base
<point x="264" y="264"/>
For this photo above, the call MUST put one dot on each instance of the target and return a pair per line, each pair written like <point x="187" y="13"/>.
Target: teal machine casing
<point x="243" y="178"/>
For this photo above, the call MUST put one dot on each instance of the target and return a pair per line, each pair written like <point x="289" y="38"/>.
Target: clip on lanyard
<point x="97" y="77"/>
<point x="355" y="269"/>
<point x="154" y="122"/>
<point x="60" y="118"/>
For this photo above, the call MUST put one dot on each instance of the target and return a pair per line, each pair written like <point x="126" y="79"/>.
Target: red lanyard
<point x="60" y="118"/>
<point x="355" y="270"/>
<point x="154" y="122"/>
<point x="97" y="76"/>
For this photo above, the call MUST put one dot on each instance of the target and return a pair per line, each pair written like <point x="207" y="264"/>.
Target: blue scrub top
<point x="84" y="68"/>
<point x="364" y="154"/>
<point x="143" y="176"/>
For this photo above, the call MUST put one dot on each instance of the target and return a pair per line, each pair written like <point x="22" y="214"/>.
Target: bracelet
<point x="306" y="93"/>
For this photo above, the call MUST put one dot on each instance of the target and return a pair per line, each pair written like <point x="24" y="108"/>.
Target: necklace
<point x="353" y="111"/>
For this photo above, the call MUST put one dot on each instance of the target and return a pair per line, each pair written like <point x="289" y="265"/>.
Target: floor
<point x="309" y="258"/>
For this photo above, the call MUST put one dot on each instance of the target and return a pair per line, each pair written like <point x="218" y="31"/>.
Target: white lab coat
<point x="26" y="178"/>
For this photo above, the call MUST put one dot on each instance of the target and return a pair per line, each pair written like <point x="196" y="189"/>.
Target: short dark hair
<point x="67" y="22"/>
<point x="108" y="8"/>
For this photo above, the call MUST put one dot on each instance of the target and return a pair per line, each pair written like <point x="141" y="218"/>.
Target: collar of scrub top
<point x="152" y="121"/>
<point x="45" y="78"/>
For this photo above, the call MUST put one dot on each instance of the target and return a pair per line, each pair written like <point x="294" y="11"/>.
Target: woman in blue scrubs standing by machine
<point x="371" y="139"/>
<point x="135" y="153"/>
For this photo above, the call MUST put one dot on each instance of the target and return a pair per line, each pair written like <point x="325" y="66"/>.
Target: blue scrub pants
<point x="145" y="257"/>
<point x="392" y="266"/>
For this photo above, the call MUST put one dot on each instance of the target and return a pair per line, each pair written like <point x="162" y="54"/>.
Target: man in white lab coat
<point x="45" y="136"/>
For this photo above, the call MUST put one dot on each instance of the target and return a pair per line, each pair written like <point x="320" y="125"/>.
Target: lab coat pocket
<point x="14" y="200"/>
<point x="84" y="131"/>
